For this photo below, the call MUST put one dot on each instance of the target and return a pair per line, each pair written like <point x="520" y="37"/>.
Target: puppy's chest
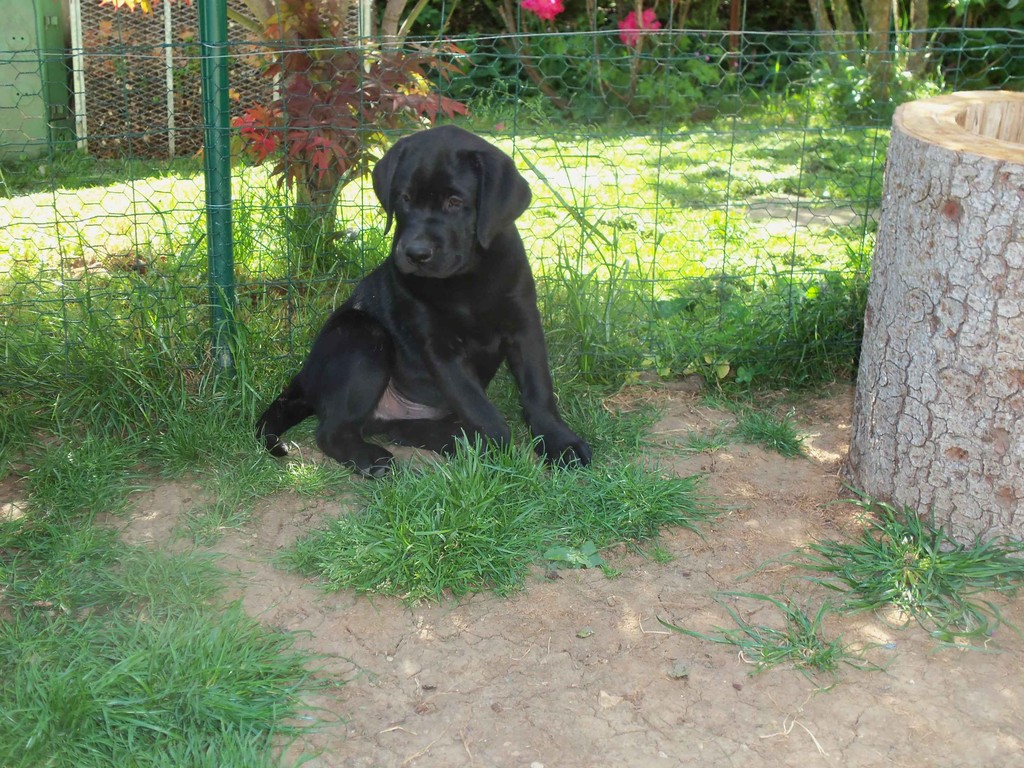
<point x="469" y="331"/>
<point x="458" y="331"/>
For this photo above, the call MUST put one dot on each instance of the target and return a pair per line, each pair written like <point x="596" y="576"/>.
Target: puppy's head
<point x="451" y="195"/>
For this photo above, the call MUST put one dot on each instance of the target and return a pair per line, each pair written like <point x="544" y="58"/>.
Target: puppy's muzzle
<point x="419" y="253"/>
<point x="416" y="250"/>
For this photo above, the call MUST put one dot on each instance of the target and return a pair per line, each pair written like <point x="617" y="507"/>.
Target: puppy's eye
<point x="453" y="203"/>
<point x="403" y="198"/>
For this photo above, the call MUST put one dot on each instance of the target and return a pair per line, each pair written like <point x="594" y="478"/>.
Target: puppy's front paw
<point x="570" y="451"/>
<point x="577" y="454"/>
<point x="275" y="446"/>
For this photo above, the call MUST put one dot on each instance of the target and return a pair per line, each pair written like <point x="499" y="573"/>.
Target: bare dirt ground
<point x="577" y="671"/>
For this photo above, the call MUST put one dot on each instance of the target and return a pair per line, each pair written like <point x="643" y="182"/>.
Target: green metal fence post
<point x="213" y="37"/>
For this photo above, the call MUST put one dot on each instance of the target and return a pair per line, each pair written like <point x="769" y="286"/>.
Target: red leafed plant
<point x="336" y="100"/>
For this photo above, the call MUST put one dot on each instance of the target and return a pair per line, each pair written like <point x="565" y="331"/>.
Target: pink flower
<point x="630" y="31"/>
<point x="545" y="9"/>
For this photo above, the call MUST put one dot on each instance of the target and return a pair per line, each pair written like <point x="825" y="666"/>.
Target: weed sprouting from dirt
<point x="800" y="643"/>
<point x="754" y="424"/>
<point x="902" y="561"/>
<point x="706" y="441"/>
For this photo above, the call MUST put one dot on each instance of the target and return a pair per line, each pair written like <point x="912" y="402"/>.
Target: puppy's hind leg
<point x="356" y="366"/>
<point x="285" y="412"/>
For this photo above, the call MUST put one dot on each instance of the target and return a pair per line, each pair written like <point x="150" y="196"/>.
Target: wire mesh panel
<point x="141" y="79"/>
<point x="703" y="200"/>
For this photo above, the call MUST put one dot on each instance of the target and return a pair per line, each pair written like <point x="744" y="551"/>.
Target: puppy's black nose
<point x="419" y="253"/>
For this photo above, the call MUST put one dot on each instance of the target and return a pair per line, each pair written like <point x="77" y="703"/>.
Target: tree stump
<point x="938" y="420"/>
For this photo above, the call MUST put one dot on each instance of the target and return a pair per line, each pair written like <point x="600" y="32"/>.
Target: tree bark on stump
<point x="938" y="420"/>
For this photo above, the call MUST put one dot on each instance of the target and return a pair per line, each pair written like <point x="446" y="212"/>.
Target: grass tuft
<point x="621" y="502"/>
<point x="902" y="561"/>
<point x="464" y="525"/>
<point x="479" y="520"/>
<point x="770" y="432"/>
<point x="706" y="441"/>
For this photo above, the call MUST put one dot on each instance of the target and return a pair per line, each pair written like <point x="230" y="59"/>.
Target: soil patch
<point x="577" y="671"/>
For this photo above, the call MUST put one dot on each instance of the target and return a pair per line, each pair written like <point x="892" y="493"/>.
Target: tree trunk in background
<point x="312" y="228"/>
<point x="840" y="40"/>
<point x="848" y="38"/>
<point x="939" y="411"/>
<point x="823" y="25"/>
<point x="918" y="37"/>
<point x="878" y="56"/>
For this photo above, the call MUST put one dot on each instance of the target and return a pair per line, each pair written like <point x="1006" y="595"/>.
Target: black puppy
<point x="410" y="354"/>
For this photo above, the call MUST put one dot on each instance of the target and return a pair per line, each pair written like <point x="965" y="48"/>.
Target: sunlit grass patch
<point x="119" y="655"/>
<point x="199" y="687"/>
<point x="651" y="251"/>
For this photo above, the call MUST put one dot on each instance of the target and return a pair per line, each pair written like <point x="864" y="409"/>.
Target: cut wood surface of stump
<point x="938" y="420"/>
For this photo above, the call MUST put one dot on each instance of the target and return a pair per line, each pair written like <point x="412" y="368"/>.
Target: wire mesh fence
<point x="703" y="200"/>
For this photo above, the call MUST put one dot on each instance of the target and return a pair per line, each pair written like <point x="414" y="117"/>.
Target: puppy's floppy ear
<point x="502" y="196"/>
<point x="384" y="177"/>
